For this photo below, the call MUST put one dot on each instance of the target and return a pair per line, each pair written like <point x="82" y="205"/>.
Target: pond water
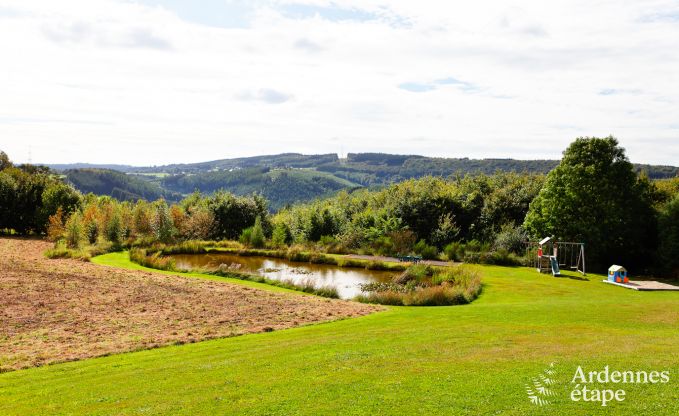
<point x="346" y="280"/>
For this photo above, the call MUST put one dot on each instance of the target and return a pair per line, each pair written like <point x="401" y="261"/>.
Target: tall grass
<point x="422" y="285"/>
<point x="153" y="261"/>
<point x="84" y="253"/>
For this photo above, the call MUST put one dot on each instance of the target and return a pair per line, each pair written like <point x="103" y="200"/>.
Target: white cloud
<point x="125" y="82"/>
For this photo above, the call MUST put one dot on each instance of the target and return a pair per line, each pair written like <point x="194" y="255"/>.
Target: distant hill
<point x="72" y="166"/>
<point x="279" y="186"/>
<point x="117" y="184"/>
<point x="291" y="177"/>
<point x="365" y="168"/>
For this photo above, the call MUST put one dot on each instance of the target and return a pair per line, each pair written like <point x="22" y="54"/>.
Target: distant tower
<point x="30" y="155"/>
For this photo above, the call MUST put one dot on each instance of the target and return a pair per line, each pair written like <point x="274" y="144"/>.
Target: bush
<point x="330" y="244"/>
<point x="257" y="234"/>
<point x="245" y="236"/>
<point x="74" y="231"/>
<point x="91" y="232"/>
<point x="55" y="227"/>
<point x="403" y="241"/>
<point x="186" y="247"/>
<point x="383" y="246"/>
<point x="511" y="239"/>
<point x="295" y="254"/>
<point x="454" y="251"/>
<point x="281" y="235"/>
<point x="501" y="257"/>
<point x="417" y="273"/>
<point x="426" y="251"/>
<point x="114" y="229"/>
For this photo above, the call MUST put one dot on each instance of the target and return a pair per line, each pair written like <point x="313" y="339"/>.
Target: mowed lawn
<point x="474" y="359"/>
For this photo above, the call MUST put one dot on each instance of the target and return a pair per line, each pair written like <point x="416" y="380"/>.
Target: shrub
<point x="417" y="273"/>
<point x="186" y="247"/>
<point x="426" y="251"/>
<point x="257" y="234"/>
<point x="502" y="257"/>
<point x="245" y="236"/>
<point x="55" y="227"/>
<point x="162" y="225"/>
<point x="383" y="246"/>
<point x="199" y="224"/>
<point x="91" y="231"/>
<point x="403" y="241"/>
<point x="454" y="251"/>
<point x="74" y="231"/>
<point x="330" y="244"/>
<point x="281" y="235"/>
<point x="114" y="229"/>
<point x="295" y="254"/>
<point x="511" y="239"/>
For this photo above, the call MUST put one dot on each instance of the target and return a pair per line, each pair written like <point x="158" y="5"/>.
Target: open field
<point x="61" y="310"/>
<point x="472" y="359"/>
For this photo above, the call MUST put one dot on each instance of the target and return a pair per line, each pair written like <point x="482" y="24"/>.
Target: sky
<point x="152" y="82"/>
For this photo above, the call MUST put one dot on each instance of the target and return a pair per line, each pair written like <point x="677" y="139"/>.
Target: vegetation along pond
<point x="346" y="280"/>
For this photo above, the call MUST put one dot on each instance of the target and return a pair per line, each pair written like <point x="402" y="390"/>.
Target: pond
<point x="346" y="280"/>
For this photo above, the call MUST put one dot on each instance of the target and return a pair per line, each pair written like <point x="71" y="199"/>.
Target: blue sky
<point x="166" y="81"/>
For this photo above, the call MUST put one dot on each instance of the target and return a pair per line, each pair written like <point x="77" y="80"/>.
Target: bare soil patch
<point x="62" y="310"/>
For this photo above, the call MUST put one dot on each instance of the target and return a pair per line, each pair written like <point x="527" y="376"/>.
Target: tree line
<point x="594" y="195"/>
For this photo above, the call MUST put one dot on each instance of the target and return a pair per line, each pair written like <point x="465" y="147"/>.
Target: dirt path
<point x="395" y="260"/>
<point x="60" y="310"/>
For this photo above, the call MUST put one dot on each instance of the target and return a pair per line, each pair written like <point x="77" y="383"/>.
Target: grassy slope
<point x="310" y="174"/>
<point x="471" y="359"/>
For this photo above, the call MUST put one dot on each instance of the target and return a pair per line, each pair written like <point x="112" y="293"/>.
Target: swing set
<point x="550" y="255"/>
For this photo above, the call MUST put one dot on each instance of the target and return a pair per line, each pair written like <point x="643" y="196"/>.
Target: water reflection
<point x="345" y="280"/>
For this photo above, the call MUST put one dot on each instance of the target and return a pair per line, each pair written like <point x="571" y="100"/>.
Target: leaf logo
<point x="539" y="391"/>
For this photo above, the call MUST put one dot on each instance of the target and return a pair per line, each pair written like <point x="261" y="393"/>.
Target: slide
<point x="555" y="266"/>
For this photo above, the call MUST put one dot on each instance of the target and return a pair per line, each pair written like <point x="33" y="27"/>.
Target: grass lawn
<point x="473" y="359"/>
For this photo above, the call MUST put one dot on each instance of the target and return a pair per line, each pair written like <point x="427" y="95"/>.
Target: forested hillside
<point x="280" y="186"/>
<point x="117" y="184"/>
<point x="290" y="177"/>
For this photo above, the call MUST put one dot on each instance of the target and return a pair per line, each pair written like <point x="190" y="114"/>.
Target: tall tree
<point x="669" y="237"/>
<point x="595" y="196"/>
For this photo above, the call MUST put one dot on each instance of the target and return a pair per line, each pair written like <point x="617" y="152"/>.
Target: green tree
<point x="4" y="161"/>
<point x="232" y="214"/>
<point x="595" y="196"/>
<point x="257" y="236"/>
<point x="668" y="225"/>
<point x="74" y="231"/>
<point x="281" y="235"/>
<point x="114" y="228"/>
<point x="162" y="226"/>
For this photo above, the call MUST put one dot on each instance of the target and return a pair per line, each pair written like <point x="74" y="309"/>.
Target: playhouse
<point x="617" y="274"/>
